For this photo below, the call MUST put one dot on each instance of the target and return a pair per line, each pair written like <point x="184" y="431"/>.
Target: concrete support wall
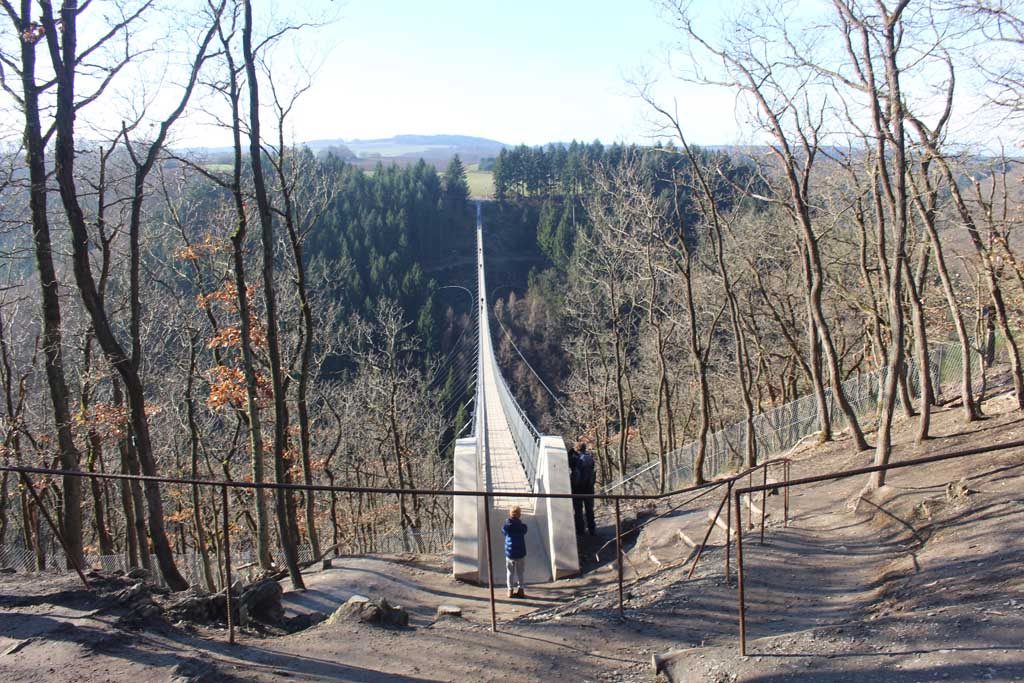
<point x="554" y="516"/>
<point x="466" y="513"/>
<point x="551" y="542"/>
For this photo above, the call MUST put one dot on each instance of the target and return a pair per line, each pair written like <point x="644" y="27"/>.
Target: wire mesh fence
<point x="16" y="558"/>
<point x="782" y="427"/>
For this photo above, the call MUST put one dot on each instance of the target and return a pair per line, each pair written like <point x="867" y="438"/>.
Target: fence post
<point x="618" y="551"/>
<point x="490" y="561"/>
<point x="227" y="562"/>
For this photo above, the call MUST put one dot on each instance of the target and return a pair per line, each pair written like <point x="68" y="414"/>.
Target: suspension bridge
<point x="507" y="454"/>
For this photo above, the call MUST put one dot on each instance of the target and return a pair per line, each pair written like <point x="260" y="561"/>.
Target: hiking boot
<point x="511" y="593"/>
<point x="520" y="593"/>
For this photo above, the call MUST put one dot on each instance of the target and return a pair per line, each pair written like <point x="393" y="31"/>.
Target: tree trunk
<point x="995" y="291"/>
<point x="197" y="501"/>
<point x="253" y="413"/>
<point x="305" y="363"/>
<point x="64" y="59"/>
<point x="890" y="127"/>
<point x="915" y="287"/>
<point x="814" y="353"/>
<point x="130" y="465"/>
<point x="927" y="214"/>
<point x="285" y="524"/>
<point x="35" y="150"/>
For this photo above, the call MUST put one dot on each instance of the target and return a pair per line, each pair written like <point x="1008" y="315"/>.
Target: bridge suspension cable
<point x="530" y="367"/>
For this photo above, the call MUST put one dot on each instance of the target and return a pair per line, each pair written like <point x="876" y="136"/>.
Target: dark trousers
<point x="581" y="507"/>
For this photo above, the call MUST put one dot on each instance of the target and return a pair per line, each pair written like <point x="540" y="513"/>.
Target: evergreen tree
<point x="456" y="187"/>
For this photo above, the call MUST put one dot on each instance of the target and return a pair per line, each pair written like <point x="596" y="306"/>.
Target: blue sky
<point x="530" y="71"/>
<point x="525" y="71"/>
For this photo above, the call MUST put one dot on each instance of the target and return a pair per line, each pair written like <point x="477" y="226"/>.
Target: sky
<point x="528" y="71"/>
<point x="521" y="71"/>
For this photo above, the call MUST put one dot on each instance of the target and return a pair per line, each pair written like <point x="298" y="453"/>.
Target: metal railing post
<point x="618" y="551"/>
<point x="739" y="573"/>
<point x="490" y="561"/>
<point x="764" y="498"/>
<point x="785" y="494"/>
<point x="225" y="517"/>
<point x="728" y="528"/>
<point x="750" y="499"/>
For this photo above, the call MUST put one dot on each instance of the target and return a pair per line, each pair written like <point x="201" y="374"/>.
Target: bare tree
<point x="795" y="127"/>
<point x="65" y="59"/>
<point x="285" y="504"/>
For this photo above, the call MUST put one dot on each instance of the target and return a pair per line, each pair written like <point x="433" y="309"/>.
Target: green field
<point x="390" y="149"/>
<point x="481" y="183"/>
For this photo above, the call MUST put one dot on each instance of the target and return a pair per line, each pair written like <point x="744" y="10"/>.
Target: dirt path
<point x="916" y="585"/>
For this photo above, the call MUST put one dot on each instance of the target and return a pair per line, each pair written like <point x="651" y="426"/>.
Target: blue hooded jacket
<point x="515" y="538"/>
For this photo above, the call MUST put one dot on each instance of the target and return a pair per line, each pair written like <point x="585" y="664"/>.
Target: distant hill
<point x="435" y="149"/>
<point x="448" y="140"/>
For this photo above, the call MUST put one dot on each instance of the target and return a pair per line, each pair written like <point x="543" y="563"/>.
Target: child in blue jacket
<point x="515" y="552"/>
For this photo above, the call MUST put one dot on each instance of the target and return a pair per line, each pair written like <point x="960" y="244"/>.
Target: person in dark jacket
<point x="514" y="531"/>
<point x="574" y="487"/>
<point x="586" y="472"/>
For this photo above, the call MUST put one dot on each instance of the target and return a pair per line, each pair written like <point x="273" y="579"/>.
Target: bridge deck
<point x="504" y="470"/>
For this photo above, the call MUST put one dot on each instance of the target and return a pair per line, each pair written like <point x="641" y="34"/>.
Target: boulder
<point x="261" y="601"/>
<point x="303" y="621"/>
<point x="200" y="608"/>
<point x="449" y="611"/>
<point x="138" y="573"/>
<point x="193" y="671"/>
<point x="377" y="612"/>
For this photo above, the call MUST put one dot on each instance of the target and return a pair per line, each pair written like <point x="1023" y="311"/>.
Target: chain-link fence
<point x="782" y="427"/>
<point x="18" y="559"/>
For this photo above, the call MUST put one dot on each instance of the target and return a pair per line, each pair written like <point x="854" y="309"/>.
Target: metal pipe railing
<point x="733" y="491"/>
